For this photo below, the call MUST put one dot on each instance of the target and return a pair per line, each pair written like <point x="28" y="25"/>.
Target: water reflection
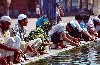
<point x="84" y="55"/>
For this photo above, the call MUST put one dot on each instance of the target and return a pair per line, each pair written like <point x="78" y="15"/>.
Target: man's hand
<point x="18" y="51"/>
<point x="77" y="40"/>
<point x="94" y="38"/>
<point x="75" y="44"/>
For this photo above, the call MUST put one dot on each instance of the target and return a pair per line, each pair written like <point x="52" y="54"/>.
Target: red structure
<point x="28" y="7"/>
<point x="21" y="6"/>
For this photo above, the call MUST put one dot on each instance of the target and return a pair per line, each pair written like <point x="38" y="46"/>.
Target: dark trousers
<point x="55" y="38"/>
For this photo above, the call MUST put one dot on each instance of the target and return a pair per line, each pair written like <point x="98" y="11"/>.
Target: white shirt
<point x="98" y="20"/>
<point x="37" y="10"/>
<point x="74" y="24"/>
<point x="13" y="42"/>
<point x="97" y="28"/>
<point x="90" y="24"/>
<point x="60" y="28"/>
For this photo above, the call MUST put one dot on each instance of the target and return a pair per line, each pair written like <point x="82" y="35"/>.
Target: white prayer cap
<point x="5" y="18"/>
<point x="96" y="19"/>
<point x="22" y="16"/>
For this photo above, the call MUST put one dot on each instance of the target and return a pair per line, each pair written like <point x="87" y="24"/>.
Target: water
<point x="84" y="55"/>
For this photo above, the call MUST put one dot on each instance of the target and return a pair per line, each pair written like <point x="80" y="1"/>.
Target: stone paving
<point x="32" y="21"/>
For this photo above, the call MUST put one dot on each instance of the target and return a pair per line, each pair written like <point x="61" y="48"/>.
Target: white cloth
<point x="74" y="24"/>
<point x="57" y="1"/>
<point x="37" y="10"/>
<point x="13" y="42"/>
<point x="90" y="24"/>
<point x="3" y="37"/>
<point x="60" y="28"/>
<point x="35" y="43"/>
<point x="97" y="28"/>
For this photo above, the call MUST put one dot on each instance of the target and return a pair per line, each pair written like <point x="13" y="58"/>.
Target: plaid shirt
<point x="18" y="30"/>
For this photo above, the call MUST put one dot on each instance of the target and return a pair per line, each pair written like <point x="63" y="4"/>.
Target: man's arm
<point x="2" y="46"/>
<point x="73" y="38"/>
<point x="87" y="34"/>
<point x="68" y="40"/>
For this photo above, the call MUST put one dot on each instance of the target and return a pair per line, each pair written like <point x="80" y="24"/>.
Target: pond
<point x="84" y="55"/>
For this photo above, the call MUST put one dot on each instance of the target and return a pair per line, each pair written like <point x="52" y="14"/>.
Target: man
<point x="83" y="25"/>
<point x="75" y="24"/>
<point x="39" y="36"/>
<point x="6" y="39"/>
<point x="18" y="29"/>
<point x="58" y="34"/>
<point x="96" y="22"/>
<point x="98" y="27"/>
<point x="41" y="20"/>
<point x="38" y="12"/>
<point x="58" y="17"/>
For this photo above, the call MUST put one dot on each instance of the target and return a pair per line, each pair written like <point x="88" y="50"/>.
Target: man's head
<point x="5" y="23"/>
<point x="96" y="21"/>
<point x="86" y="18"/>
<point x="78" y="18"/>
<point x="99" y="16"/>
<point x="22" y="20"/>
<point x="69" y="28"/>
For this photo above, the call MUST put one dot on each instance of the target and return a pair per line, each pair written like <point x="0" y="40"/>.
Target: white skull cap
<point x="22" y="16"/>
<point x="96" y="19"/>
<point x="5" y="18"/>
